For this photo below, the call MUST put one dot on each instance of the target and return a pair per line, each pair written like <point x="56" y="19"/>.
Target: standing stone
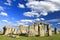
<point x="36" y="27"/>
<point x="22" y="29"/>
<point x="31" y="31"/>
<point x="56" y="31"/>
<point x="49" y="30"/>
<point x="45" y="29"/>
<point x="14" y="31"/>
<point x="7" y="30"/>
<point x="18" y="32"/>
<point x="41" y="29"/>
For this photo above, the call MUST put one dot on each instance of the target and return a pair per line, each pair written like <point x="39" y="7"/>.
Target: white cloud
<point x="8" y="2"/>
<point x="21" y="5"/>
<point x="21" y="23"/>
<point x="8" y="23"/>
<point x="37" y="19"/>
<point x="31" y="14"/>
<point x="25" y="22"/>
<point x="42" y="19"/>
<point x="56" y="1"/>
<point x="44" y="13"/>
<point x="43" y="7"/>
<point x="4" y="20"/>
<point x="3" y="14"/>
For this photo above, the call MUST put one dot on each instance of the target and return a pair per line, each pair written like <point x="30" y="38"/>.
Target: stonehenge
<point x="38" y="28"/>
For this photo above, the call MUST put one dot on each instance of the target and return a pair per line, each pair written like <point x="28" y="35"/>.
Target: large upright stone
<point x="6" y="30"/>
<point x="41" y="29"/>
<point x="22" y="29"/>
<point x="56" y="31"/>
<point x="49" y="30"/>
<point x="31" y="31"/>
<point x="14" y="31"/>
<point x="18" y="32"/>
<point x="36" y="27"/>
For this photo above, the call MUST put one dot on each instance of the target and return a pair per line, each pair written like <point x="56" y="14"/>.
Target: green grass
<point x="54" y="37"/>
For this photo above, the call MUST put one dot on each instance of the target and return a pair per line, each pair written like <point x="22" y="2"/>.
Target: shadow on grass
<point x="36" y="35"/>
<point x="24" y="35"/>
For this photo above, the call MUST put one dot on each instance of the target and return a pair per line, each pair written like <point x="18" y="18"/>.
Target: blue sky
<point x="25" y="12"/>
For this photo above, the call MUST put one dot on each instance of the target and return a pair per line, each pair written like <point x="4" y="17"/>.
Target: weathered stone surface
<point x="22" y="29"/>
<point x="31" y="31"/>
<point x="14" y="31"/>
<point x="41" y="30"/>
<point x="37" y="28"/>
<point x="49" y="30"/>
<point x="8" y="31"/>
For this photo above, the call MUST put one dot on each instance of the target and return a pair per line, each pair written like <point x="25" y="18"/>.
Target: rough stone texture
<point x="18" y="32"/>
<point x="41" y="30"/>
<point x="56" y="31"/>
<point x="8" y="30"/>
<point x="14" y="31"/>
<point x="22" y="29"/>
<point x="49" y="30"/>
<point x="31" y="31"/>
<point x="36" y="27"/>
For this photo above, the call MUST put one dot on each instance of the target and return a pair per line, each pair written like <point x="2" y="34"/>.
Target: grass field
<point x="54" y="37"/>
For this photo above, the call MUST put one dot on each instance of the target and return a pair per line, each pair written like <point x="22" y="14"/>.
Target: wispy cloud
<point x="28" y="21"/>
<point x="8" y="2"/>
<point x="4" y="20"/>
<point x="8" y="23"/>
<point x="43" y="7"/>
<point x="42" y="18"/>
<point x="39" y="19"/>
<point x="56" y="1"/>
<point x="25" y="22"/>
<point x="31" y="14"/>
<point x="3" y="14"/>
<point x="21" y="5"/>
